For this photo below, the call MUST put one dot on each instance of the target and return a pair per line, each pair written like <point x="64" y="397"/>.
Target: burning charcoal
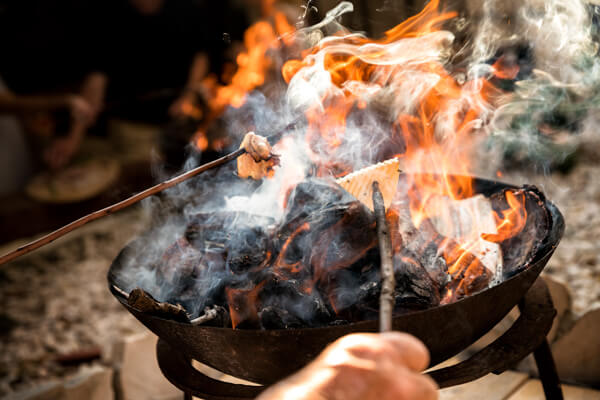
<point x="468" y="274"/>
<point x="367" y="296"/>
<point x="423" y="242"/>
<point x="243" y="306"/>
<point x="311" y="198"/>
<point x="530" y="222"/>
<point x="183" y="274"/>
<point x="324" y="229"/>
<point x="353" y="293"/>
<point x="208" y="231"/>
<point x="414" y="287"/>
<point x="456" y="271"/>
<point x="216" y="229"/>
<point x="466" y="221"/>
<point x="272" y="317"/>
<point x="178" y="263"/>
<point x="247" y="247"/>
<point x="144" y="302"/>
<point x="244" y="239"/>
<point x="298" y="298"/>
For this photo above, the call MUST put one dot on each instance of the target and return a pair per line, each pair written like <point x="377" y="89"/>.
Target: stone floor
<point x="511" y="386"/>
<point x="576" y="262"/>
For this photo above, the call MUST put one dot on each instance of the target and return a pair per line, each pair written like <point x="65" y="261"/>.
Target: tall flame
<point x="431" y="120"/>
<point x="434" y="121"/>
<point x="253" y="65"/>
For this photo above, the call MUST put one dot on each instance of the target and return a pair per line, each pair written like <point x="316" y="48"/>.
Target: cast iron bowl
<point x="267" y="356"/>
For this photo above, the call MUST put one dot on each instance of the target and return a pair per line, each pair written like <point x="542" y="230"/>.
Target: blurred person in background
<point x="62" y="58"/>
<point x="156" y="53"/>
<point x="49" y="92"/>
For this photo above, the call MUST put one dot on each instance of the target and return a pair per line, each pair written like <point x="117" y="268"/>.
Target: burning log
<point x="321" y="264"/>
<point x="292" y="302"/>
<point x="455" y="271"/>
<point x="415" y="290"/>
<point x="524" y="222"/>
<point x="243" y="240"/>
<point x="324" y="229"/>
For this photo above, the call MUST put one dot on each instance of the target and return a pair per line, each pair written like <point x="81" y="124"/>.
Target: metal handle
<point x="179" y="371"/>
<point x="534" y="323"/>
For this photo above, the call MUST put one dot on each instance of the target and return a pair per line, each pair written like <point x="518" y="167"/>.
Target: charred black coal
<point x="320" y="265"/>
<point x="414" y="287"/>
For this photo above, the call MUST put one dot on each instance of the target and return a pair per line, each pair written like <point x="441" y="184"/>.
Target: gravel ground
<point x="576" y="262"/>
<point x="55" y="301"/>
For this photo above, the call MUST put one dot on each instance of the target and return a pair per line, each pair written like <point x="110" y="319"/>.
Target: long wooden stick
<point x="116" y="207"/>
<point x="131" y="200"/>
<point x="388" y="285"/>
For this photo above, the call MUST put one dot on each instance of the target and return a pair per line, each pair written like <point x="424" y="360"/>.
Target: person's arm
<point x="84" y="112"/>
<point x="198" y="71"/>
<point x="362" y="367"/>
<point x="10" y="103"/>
<point x="93" y="91"/>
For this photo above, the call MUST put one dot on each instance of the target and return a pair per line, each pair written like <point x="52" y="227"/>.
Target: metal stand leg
<point x="547" y="371"/>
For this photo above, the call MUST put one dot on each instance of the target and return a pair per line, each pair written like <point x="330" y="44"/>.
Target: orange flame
<point x="280" y="264"/>
<point x="253" y="65"/>
<point x="243" y="304"/>
<point x="437" y="132"/>
<point x="510" y="222"/>
<point x="433" y="132"/>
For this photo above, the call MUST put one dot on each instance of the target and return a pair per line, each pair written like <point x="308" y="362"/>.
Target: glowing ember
<point x="243" y="304"/>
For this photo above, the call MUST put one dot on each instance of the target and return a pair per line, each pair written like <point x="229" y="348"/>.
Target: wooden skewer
<point x="386" y="298"/>
<point x="44" y="240"/>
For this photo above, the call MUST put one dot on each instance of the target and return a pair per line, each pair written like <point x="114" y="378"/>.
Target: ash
<point x="56" y="302"/>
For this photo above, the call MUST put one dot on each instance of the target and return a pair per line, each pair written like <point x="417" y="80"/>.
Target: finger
<point x="410" y="350"/>
<point x="413" y="386"/>
<point x="399" y="348"/>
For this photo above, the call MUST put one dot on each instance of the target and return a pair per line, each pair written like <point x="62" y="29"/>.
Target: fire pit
<point x="266" y="356"/>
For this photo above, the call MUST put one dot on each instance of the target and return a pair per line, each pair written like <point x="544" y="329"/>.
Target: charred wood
<point x="144" y="302"/>
<point x="273" y="317"/>
<point x="520" y="250"/>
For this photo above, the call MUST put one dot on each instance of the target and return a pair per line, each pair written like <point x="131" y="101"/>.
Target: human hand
<point x="362" y="366"/>
<point x="60" y="151"/>
<point x="79" y="109"/>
